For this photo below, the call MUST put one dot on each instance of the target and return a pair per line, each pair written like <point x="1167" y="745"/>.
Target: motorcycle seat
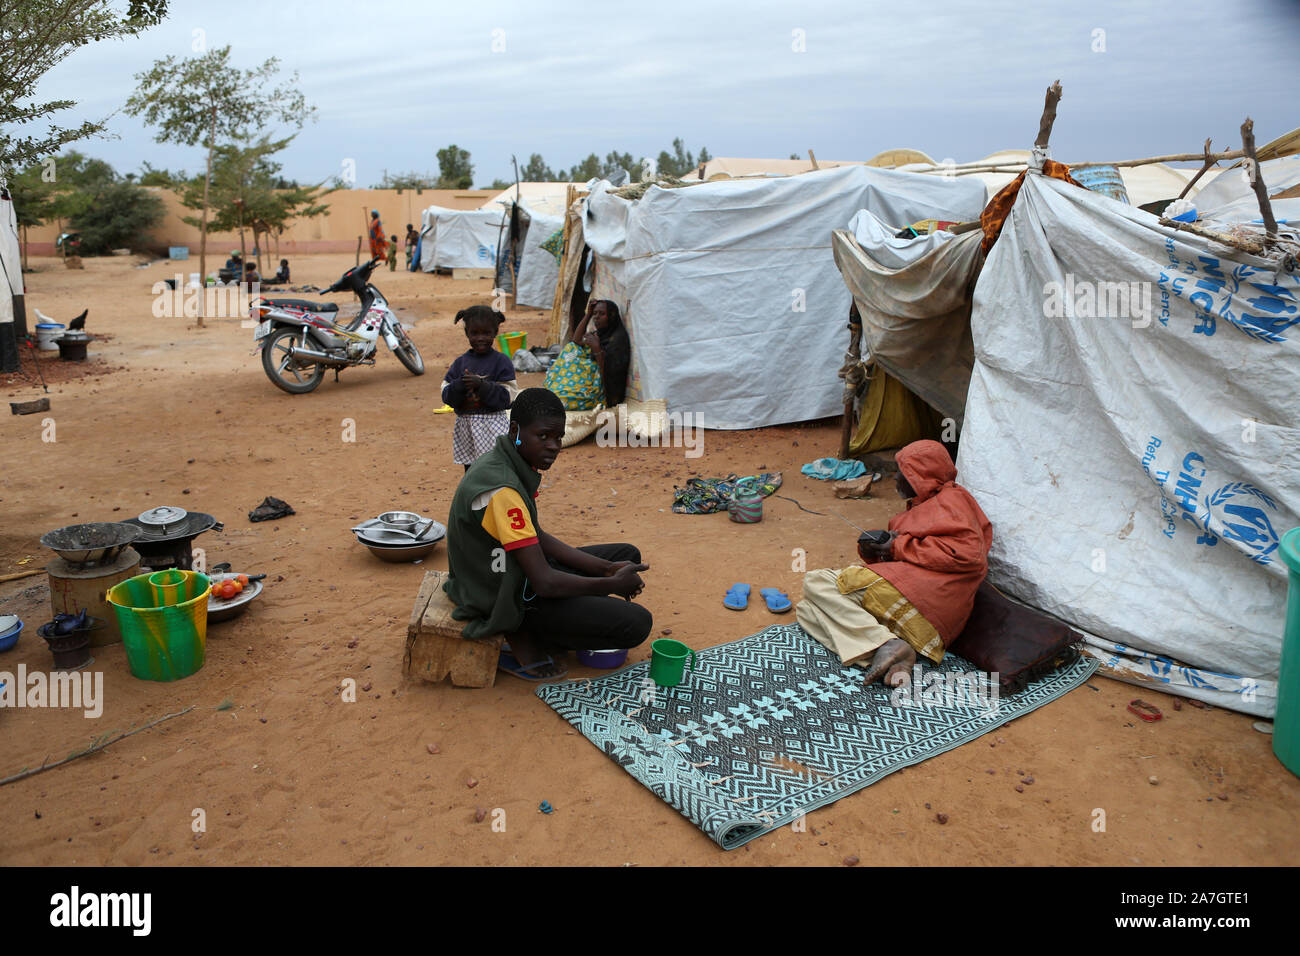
<point x="306" y="304"/>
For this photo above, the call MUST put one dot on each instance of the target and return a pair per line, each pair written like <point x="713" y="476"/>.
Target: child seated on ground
<point x="282" y="276"/>
<point x="508" y="576"/>
<point x="251" y="278"/>
<point x="480" y="385"/>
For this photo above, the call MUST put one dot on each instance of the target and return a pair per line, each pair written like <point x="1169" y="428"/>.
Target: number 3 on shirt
<point x="516" y="517"/>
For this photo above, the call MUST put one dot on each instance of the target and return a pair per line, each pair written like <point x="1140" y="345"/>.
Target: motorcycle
<point x="300" y="339"/>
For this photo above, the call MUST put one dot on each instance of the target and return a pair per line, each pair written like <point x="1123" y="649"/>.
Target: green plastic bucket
<point x="510" y="342"/>
<point x="668" y="661"/>
<point x="163" y="617"/>
<point x="1286" y="723"/>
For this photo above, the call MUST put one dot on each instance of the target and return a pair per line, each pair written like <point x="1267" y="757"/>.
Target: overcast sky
<point x="394" y="82"/>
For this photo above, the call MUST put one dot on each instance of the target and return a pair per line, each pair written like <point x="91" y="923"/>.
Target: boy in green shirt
<point x="507" y="576"/>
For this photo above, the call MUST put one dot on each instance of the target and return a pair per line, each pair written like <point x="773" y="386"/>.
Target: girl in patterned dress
<point x="480" y="385"/>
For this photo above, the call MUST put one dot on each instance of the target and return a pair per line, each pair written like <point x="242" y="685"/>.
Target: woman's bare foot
<point x="893" y="661"/>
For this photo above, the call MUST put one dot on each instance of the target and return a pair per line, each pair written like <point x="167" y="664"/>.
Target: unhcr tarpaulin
<point x="1138" y="466"/>
<point x="460" y="238"/>
<point x="914" y="297"/>
<point x="733" y="302"/>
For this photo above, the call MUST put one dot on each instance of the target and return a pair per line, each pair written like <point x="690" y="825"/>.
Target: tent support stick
<point x="1257" y="181"/>
<point x="1205" y="168"/>
<point x="1049" y="114"/>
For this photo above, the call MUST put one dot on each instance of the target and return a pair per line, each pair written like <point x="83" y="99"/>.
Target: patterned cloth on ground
<point x="773" y="726"/>
<point x="704" y="496"/>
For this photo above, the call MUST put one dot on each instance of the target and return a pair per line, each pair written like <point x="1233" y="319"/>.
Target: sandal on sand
<point x="737" y="597"/>
<point x="778" y="602"/>
<point x="510" y="664"/>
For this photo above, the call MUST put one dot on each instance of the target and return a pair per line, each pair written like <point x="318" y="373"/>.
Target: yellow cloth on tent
<point x="892" y="416"/>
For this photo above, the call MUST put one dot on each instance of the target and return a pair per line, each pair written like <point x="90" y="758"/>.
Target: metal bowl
<point x="98" y="542"/>
<point x="399" y="553"/>
<point x="402" y="520"/>
<point x="220" y="609"/>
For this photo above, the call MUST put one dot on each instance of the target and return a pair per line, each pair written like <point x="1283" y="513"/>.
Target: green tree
<point x="499" y="184"/>
<point x="411" y="180"/>
<point x="119" y="214"/>
<point x="247" y="193"/>
<point x="536" y="170"/>
<point x="455" y="171"/>
<point x="37" y="35"/>
<point x="679" y="162"/>
<point x="206" y="101"/>
<point x="153" y="176"/>
<point x="589" y="168"/>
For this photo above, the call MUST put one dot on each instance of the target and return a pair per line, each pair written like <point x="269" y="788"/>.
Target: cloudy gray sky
<point x="394" y="82"/>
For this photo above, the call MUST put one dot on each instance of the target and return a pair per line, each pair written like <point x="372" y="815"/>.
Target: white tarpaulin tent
<point x="1138" y="469"/>
<point x="729" y="290"/>
<point x="460" y="238"/>
<point x="10" y="260"/>
<point x="538" y="268"/>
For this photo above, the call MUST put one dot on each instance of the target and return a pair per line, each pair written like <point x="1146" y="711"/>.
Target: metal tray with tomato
<point x="222" y="609"/>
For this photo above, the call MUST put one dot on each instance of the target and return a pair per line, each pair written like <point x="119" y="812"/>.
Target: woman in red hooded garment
<point x="918" y="587"/>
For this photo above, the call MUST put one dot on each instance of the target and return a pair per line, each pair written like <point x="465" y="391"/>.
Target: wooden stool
<point x="435" y="647"/>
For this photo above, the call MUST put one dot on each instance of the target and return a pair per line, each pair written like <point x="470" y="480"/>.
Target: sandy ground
<point x="291" y="774"/>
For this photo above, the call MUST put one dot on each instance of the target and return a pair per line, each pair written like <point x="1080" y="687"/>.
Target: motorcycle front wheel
<point x="292" y="376"/>
<point x="407" y="353"/>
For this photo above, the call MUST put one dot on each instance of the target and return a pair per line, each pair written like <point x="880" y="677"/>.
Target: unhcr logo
<point x="1084" y="299"/>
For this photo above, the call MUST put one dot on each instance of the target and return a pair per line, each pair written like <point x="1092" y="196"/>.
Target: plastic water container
<point x="510" y="342"/>
<point x="163" y="617"/>
<point x="178" y="252"/>
<point x="47" y="333"/>
<point x="1102" y="179"/>
<point x="1286" y="723"/>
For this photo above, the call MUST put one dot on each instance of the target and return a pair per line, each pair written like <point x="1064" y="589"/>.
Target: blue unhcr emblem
<point x="1236" y="506"/>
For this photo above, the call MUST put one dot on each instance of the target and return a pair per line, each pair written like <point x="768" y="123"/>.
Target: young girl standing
<point x="480" y="385"/>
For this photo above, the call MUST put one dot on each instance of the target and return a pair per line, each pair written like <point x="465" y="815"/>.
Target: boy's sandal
<point x="444" y="410"/>
<point x="778" y="602"/>
<point x="737" y="597"/>
<point x="510" y="664"/>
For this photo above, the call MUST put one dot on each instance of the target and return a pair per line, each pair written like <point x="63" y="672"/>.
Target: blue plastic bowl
<point x="10" y="637"/>
<point x="606" y="660"/>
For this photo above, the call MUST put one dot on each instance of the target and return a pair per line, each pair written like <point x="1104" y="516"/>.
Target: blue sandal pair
<point x="737" y="598"/>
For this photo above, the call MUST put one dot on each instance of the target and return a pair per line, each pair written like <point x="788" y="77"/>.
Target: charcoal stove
<point x="167" y="536"/>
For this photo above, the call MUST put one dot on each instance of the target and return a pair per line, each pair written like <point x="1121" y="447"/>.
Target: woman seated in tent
<point x="918" y="587"/>
<point x="610" y="347"/>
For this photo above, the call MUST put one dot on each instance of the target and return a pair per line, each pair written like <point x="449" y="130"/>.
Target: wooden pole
<point x="1205" y="167"/>
<point x="1257" y="181"/>
<point x="203" y="228"/>
<point x="1049" y="114"/>
<point x="813" y="159"/>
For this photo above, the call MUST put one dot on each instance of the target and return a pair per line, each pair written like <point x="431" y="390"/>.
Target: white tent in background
<point x="729" y="290"/>
<point x="542" y="207"/>
<point x="460" y="238"/>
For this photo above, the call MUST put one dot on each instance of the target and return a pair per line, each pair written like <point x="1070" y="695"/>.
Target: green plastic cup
<point x="668" y="661"/>
<point x="1286" y="722"/>
<point x="163" y="618"/>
